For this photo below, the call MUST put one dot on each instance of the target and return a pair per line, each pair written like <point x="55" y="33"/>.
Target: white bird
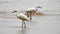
<point x="22" y="17"/>
<point x="30" y="11"/>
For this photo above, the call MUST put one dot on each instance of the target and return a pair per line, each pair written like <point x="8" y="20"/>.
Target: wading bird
<point x="31" y="11"/>
<point x="22" y="17"/>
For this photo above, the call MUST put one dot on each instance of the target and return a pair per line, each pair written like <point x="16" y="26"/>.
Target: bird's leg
<point x="30" y="17"/>
<point x="27" y="14"/>
<point x="24" y="25"/>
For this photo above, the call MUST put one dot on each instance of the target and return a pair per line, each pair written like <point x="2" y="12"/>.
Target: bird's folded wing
<point x="37" y="14"/>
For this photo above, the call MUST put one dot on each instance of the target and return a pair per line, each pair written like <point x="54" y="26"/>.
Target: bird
<point x="31" y="11"/>
<point x="22" y="17"/>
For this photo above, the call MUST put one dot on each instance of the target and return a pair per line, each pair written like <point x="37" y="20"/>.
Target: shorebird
<point x="22" y="17"/>
<point x="31" y="11"/>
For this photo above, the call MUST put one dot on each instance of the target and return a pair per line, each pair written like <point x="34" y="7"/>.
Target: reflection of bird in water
<point x="23" y="31"/>
<point x="22" y="17"/>
<point x="31" y="11"/>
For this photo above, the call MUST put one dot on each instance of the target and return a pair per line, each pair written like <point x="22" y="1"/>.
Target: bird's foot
<point x="24" y="26"/>
<point x="21" y="26"/>
<point x="30" y="18"/>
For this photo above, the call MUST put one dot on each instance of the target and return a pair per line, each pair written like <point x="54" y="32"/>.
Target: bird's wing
<point x="22" y="16"/>
<point x="37" y="13"/>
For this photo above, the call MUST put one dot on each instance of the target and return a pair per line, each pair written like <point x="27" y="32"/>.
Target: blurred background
<point x="48" y="24"/>
<point x="50" y="6"/>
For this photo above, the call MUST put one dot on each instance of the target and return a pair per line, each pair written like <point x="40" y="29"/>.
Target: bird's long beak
<point x="12" y="12"/>
<point x="38" y="7"/>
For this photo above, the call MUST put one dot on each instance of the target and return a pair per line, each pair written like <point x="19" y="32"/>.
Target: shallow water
<point x="48" y="24"/>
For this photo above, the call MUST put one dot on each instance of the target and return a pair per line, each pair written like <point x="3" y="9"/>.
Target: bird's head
<point x="38" y="7"/>
<point x="14" y="11"/>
